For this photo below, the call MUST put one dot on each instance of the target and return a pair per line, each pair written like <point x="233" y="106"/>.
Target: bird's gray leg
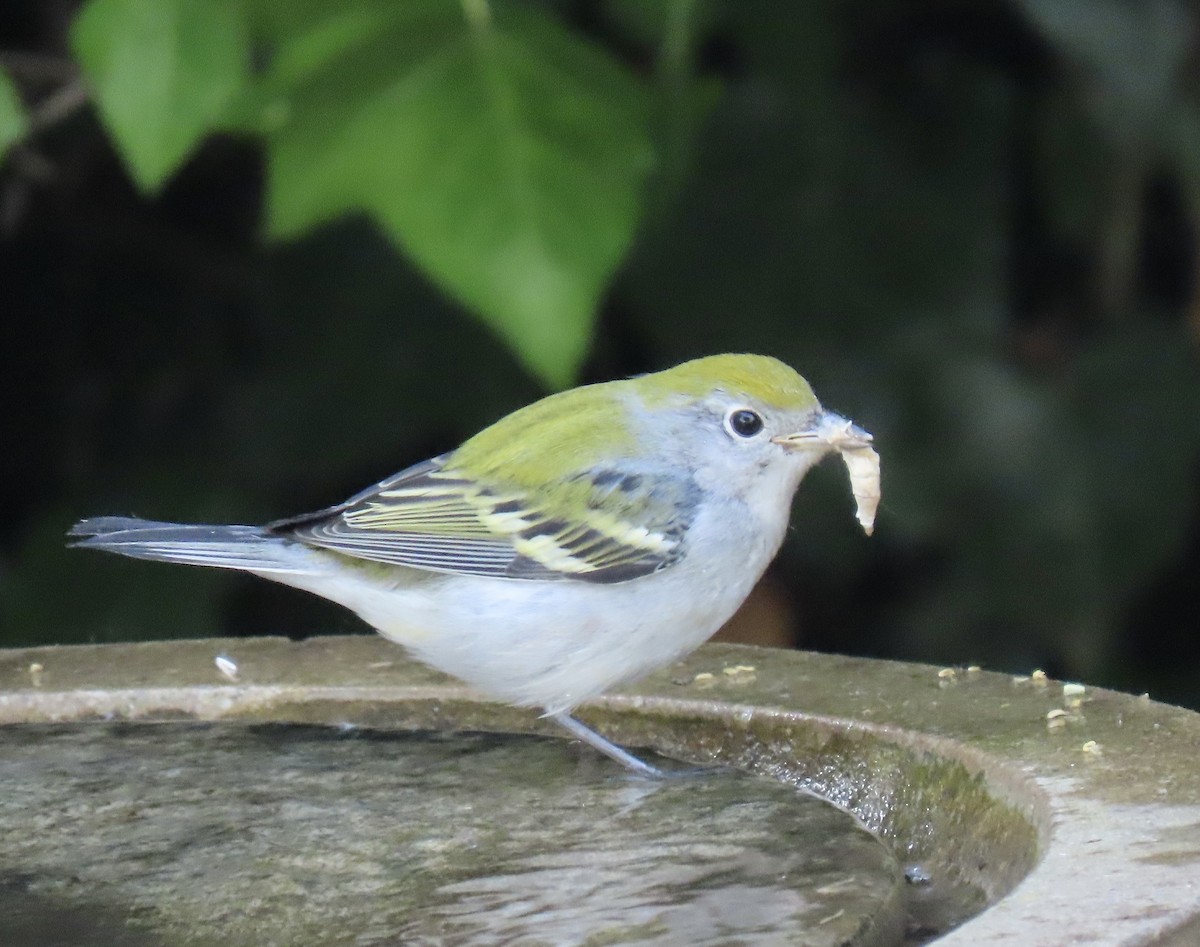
<point x="597" y="742"/>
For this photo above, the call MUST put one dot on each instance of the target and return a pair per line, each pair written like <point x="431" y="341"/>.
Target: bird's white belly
<point x="557" y="643"/>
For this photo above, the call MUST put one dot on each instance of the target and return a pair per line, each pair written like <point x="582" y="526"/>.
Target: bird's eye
<point x="743" y="422"/>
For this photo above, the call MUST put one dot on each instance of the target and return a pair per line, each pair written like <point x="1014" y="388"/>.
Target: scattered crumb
<point x="704" y="679"/>
<point x="1039" y="678"/>
<point x="1020" y="679"/>
<point x="974" y="670"/>
<point x="743" y="673"/>
<point x="947" y="673"/>
<point x="1092" y="748"/>
<point x="377" y="665"/>
<point x="1073" y="695"/>
<point x="227" y="666"/>
<point x="35" y="673"/>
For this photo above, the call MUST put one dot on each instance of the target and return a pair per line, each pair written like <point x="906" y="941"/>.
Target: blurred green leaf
<point x="646" y="21"/>
<point x="1135" y="402"/>
<point x="506" y="156"/>
<point x="162" y="72"/>
<point x="1073" y="175"/>
<point x="276" y="21"/>
<point x="12" y="116"/>
<point x="300" y="43"/>
<point x="1129" y="53"/>
<point x="308" y="50"/>
<point x="1186" y="148"/>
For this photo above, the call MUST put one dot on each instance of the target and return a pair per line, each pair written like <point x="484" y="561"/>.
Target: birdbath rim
<point x="1073" y="809"/>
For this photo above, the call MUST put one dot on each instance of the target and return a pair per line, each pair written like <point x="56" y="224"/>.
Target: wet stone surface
<point x="199" y="834"/>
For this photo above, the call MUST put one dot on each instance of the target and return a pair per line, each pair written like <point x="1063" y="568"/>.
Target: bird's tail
<point x="250" y="548"/>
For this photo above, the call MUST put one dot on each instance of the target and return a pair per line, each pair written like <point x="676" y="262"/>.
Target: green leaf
<point x="1130" y="54"/>
<point x="162" y="72"/>
<point x="12" y="116"/>
<point x="506" y="157"/>
<point x="302" y="38"/>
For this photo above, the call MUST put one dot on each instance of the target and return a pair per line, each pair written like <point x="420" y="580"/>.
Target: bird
<point x="576" y="544"/>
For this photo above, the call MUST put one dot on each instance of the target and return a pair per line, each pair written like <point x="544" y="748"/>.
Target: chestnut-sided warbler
<point x="575" y="544"/>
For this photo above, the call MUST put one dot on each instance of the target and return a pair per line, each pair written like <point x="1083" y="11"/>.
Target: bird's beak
<point x="829" y="431"/>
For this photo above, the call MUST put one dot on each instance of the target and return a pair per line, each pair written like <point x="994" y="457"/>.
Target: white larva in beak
<point x="834" y="432"/>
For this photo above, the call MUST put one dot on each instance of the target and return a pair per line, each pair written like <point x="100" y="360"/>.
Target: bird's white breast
<point x="557" y="643"/>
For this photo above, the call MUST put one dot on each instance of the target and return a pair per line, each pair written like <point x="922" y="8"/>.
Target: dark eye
<point x="744" y="422"/>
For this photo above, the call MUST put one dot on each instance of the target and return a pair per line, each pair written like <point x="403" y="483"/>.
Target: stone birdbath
<point x="261" y="791"/>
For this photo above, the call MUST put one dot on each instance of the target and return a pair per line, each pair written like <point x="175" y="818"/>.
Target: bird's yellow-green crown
<point x="576" y="429"/>
<point x="760" y="377"/>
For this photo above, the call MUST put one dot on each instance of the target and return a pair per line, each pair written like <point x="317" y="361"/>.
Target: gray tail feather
<point x="225" y="547"/>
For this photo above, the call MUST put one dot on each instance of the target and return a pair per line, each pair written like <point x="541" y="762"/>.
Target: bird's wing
<point x="433" y="517"/>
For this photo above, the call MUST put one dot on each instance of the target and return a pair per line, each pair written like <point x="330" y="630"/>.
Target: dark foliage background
<point x="972" y="225"/>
